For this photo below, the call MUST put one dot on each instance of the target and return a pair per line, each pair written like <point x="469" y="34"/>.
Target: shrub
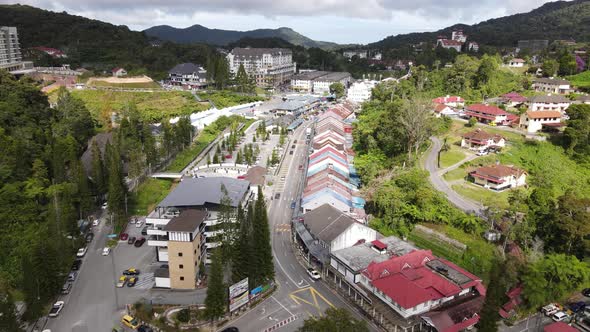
<point x="183" y="315"/>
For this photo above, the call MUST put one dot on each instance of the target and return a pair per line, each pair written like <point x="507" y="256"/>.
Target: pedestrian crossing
<point x="283" y="228"/>
<point x="145" y="281"/>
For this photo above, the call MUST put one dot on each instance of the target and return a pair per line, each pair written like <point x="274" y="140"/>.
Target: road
<point x="436" y="178"/>
<point x="297" y="297"/>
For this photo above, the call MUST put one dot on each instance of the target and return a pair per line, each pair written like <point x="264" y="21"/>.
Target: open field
<point x="482" y="195"/>
<point x="458" y="129"/>
<point x="123" y="82"/>
<point x="454" y="155"/>
<point x="148" y="194"/>
<point x="223" y="99"/>
<point x="146" y="85"/>
<point x="581" y="80"/>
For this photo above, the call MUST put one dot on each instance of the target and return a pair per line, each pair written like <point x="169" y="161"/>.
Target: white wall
<point x="352" y="235"/>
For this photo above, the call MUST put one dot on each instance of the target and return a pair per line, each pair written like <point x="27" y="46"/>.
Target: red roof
<point x="450" y="42"/>
<point x="448" y="99"/>
<point x="559" y="327"/>
<point x="514" y="97"/>
<point x="380" y="245"/>
<point x="486" y="109"/>
<point x="117" y="69"/>
<point x="440" y="107"/>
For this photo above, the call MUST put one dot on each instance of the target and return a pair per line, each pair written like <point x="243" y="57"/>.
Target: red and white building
<point x="488" y="114"/>
<point x="443" y="110"/>
<point x="119" y="72"/>
<point x="499" y="177"/>
<point x="513" y="99"/>
<point x="450" y="44"/>
<point x="516" y="63"/>
<point x="53" y="52"/>
<point x="451" y="101"/>
<point x="533" y="121"/>
<point x="480" y="140"/>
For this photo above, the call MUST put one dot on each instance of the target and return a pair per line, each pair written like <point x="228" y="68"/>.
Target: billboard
<point x="238" y="294"/>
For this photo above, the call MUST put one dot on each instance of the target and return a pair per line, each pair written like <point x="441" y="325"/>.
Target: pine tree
<point x="494" y="295"/>
<point x="242" y="79"/>
<point x="215" y="302"/>
<point x="8" y="321"/>
<point x="242" y="253"/>
<point x="261" y="242"/>
<point x="116" y="188"/>
<point x="98" y="172"/>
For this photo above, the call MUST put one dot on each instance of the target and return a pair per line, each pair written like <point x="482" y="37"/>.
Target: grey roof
<point x="327" y="223"/>
<point x="551" y="81"/>
<point x="333" y="77"/>
<point x="162" y="273"/>
<point x="310" y="75"/>
<point x="200" y="191"/>
<point x="360" y="256"/>
<point x="254" y="52"/>
<point x="186" y="68"/>
<point x="187" y="221"/>
<point x="549" y="99"/>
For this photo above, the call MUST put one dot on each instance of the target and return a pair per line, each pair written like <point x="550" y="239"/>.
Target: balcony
<point x="157" y="241"/>
<point x="156" y="231"/>
<point x="157" y="221"/>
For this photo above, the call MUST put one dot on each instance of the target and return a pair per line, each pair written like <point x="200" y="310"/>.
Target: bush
<point x="183" y="315"/>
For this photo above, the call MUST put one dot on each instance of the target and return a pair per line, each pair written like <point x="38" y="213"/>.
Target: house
<point x="188" y="75"/>
<point x="499" y="177"/>
<point x="481" y="140"/>
<point x="551" y="85"/>
<point x="326" y="229"/>
<point x="516" y="63"/>
<point x="53" y="52"/>
<point x="303" y="82"/>
<point x="443" y="110"/>
<point x="513" y="99"/>
<point x="487" y="114"/>
<point x="452" y="101"/>
<point x="119" y="72"/>
<point x="362" y="54"/>
<point x="534" y="121"/>
<point x="449" y="44"/>
<point x="509" y="309"/>
<point x="549" y="103"/>
<point x="459" y="36"/>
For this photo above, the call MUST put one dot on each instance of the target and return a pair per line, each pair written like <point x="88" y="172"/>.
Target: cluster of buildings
<point x="457" y="41"/>
<point x="318" y="82"/>
<point x="270" y="67"/>
<point x="363" y="54"/>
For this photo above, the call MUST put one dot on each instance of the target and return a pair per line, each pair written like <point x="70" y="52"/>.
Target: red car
<point x="228" y="156"/>
<point x="123" y="236"/>
<point x="300" y="167"/>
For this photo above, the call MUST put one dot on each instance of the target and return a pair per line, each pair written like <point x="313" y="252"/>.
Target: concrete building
<point x="119" y="72"/>
<point x="516" y="63"/>
<point x="362" y="54"/>
<point x="551" y="85"/>
<point x="452" y="101"/>
<point x="10" y="54"/>
<point x="449" y="44"/>
<point x="480" y="140"/>
<point x="269" y="66"/>
<point x="499" y="177"/>
<point x="189" y="75"/>
<point x="459" y="36"/>
<point x="533" y="121"/>
<point x="321" y="85"/>
<point x="487" y="114"/>
<point x="549" y="103"/>
<point x="360" y="91"/>
<point x="303" y="82"/>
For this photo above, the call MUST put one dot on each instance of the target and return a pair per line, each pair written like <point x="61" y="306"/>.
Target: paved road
<point x="534" y="323"/>
<point x="441" y="185"/>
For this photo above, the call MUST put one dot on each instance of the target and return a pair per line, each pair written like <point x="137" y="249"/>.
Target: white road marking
<point x="290" y="313"/>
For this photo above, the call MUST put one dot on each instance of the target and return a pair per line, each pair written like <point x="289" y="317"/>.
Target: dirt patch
<point x="120" y="80"/>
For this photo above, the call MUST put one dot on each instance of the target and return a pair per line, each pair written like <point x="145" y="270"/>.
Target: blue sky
<point x="342" y="21"/>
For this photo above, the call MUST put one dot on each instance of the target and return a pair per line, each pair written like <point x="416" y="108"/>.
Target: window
<point x="179" y="254"/>
<point x="195" y="251"/>
<point x="181" y="278"/>
<point x="181" y="266"/>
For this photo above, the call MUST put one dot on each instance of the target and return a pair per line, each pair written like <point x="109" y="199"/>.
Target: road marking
<point x="284" y="271"/>
<point x="290" y="313"/>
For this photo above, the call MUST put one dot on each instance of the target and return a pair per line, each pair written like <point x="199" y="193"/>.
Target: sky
<point x="341" y="21"/>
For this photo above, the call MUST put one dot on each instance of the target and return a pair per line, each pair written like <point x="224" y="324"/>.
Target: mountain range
<point x="200" y="34"/>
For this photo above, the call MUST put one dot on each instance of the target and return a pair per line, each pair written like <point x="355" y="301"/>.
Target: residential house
<point x="481" y="140"/>
<point x="533" y="121"/>
<point x="499" y="177"/>
<point x="270" y="67"/>
<point x="449" y="44"/>
<point x="443" y="110"/>
<point x="549" y="103"/>
<point x="516" y="63"/>
<point x="488" y="114"/>
<point x="52" y="52"/>
<point x="326" y="229"/>
<point x="360" y="91"/>
<point x="551" y="85"/>
<point x="119" y="72"/>
<point x="509" y="308"/>
<point x="451" y="101"/>
<point x="513" y="99"/>
<point x="188" y="75"/>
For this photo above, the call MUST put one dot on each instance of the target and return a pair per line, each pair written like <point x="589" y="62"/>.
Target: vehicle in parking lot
<point x="291" y="152"/>
<point x="577" y="306"/>
<point x="549" y="309"/>
<point x="89" y="237"/>
<point x="129" y="321"/>
<point x="277" y="195"/>
<point x="293" y="146"/>
<point x="106" y="251"/>
<point x="586" y="292"/>
<point x="121" y="282"/>
<point x="140" y="242"/>
<point x="56" y="308"/>
<point x="231" y="329"/>
<point x="131" y="240"/>
<point x="482" y="153"/>
<point x="123" y="236"/>
<point x="81" y="252"/>
<point x="315" y="275"/>
<point x="560" y="316"/>
<point x="131" y="282"/>
<point x="144" y="328"/>
<point x="138" y="224"/>
<point x="66" y="288"/>
<point x="76" y="265"/>
<point x="96" y="222"/>
<point x="144" y="230"/>
<point x="131" y="272"/>
<point x="72" y="276"/>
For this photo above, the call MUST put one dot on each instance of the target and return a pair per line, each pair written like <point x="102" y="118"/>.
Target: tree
<point x="242" y="80"/>
<point x="337" y="89"/>
<point x="493" y="300"/>
<point x="221" y="75"/>
<point x="261" y="243"/>
<point x="550" y="67"/>
<point x="334" y="320"/>
<point x="116" y="187"/>
<point x="567" y="64"/>
<point x="227" y="225"/>
<point x="98" y="172"/>
<point x="8" y="321"/>
<point x="215" y="302"/>
<point x="472" y="122"/>
<point x="242" y="259"/>
<point x="73" y="118"/>
<point x="416" y="124"/>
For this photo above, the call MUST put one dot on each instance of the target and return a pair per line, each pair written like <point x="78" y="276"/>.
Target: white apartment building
<point x="303" y="82"/>
<point x="362" y="54"/>
<point x="9" y="46"/>
<point x="321" y="85"/>
<point x="549" y="103"/>
<point x="269" y="66"/>
<point x="551" y="85"/>
<point x="361" y="91"/>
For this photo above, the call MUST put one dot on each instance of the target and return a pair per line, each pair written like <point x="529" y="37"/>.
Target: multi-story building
<point x="549" y="103"/>
<point x="188" y="75"/>
<point x="10" y="55"/>
<point x="362" y="54"/>
<point x="321" y="85"/>
<point x="551" y="85"/>
<point x="481" y="140"/>
<point x="191" y="211"/>
<point x="303" y="82"/>
<point x="269" y="66"/>
<point x="360" y="91"/>
<point x="534" y="121"/>
<point x="459" y="36"/>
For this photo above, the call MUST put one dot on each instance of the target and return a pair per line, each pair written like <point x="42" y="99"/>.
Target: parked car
<point x="291" y="152"/>
<point x="131" y="282"/>
<point x="295" y="141"/>
<point x="577" y="306"/>
<point x="549" y="309"/>
<point x="131" y="240"/>
<point x="277" y="195"/>
<point x="300" y="167"/>
<point x="144" y="328"/>
<point x="131" y="272"/>
<point x="138" y="224"/>
<point x="315" y="275"/>
<point x="293" y="146"/>
<point x="89" y="237"/>
<point x="586" y="292"/>
<point x="96" y="222"/>
<point x="129" y="321"/>
<point x="123" y="236"/>
<point x="231" y="329"/>
<point x="56" y="308"/>
<point x="81" y="252"/>
<point x="139" y="242"/>
<point x="121" y="282"/>
<point x="66" y="288"/>
<point x="76" y="265"/>
<point x="482" y="153"/>
<point x="106" y="251"/>
<point x="560" y="316"/>
<point x="293" y="204"/>
<point x="144" y="231"/>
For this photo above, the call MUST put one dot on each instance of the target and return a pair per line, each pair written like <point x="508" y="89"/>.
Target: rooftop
<point x="549" y="99"/>
<point x="515" y="97"/>
<point x="481" y="135"/>
<point x="555" y="81"/>
<point x="543" y="114"/>
<point x="186" y="68"/>
<point x="333" y="77"/>
<point x="310" y="75"/>
<point x="486" y="109"/>
<point x="326" y="222"/>
<point x="448" y="99"/>
<point x="187" y="221"/>
<point x="238" y="51"/>
<point x="497" y="171"/>
<point x="202" y="191"/>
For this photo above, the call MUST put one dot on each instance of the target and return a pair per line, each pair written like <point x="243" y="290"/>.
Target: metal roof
<point x="201" y="191"/>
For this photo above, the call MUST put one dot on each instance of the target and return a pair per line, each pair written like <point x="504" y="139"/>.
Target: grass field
<point x="152" y="106"/>
<point x="581" y="80"/>
<point x="223" y="99"/>
<point x="456" y="174"/>
<point x="454" y="155"/>
<point x="481" y="195"/>
<point x="146" y="85"/>
<point x="148" y="194"/>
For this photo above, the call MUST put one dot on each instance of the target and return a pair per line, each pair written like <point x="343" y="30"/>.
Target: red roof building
<point x="453" y="101"/>
<point x="487" y="114"/>
<point x="482" y="140"/>
<point x="513" y="98"/>
<point x="499" y="177"/>
<point x="559" y="327"/>
<point x="53" y="52"/>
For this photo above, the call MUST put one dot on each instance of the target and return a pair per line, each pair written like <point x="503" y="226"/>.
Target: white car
<point x="560" y="316"/>
<point x="549" y="309"/>
<point x="138" y="224"/>
<point x="482" y="153"/>
<point x="96" y="222"/>
<point x="315" y="275"/>
<point x="81" y="252"/>
<point x="105" y="206"/>
<point x="106" y="251"/>
<point x="56" y="309"/>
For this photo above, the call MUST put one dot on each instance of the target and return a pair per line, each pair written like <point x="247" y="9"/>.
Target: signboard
<point x="238" y="294"/>
<point x="112" y="236"/>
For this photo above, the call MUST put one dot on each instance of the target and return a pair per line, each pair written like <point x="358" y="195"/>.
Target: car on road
<point x="129" y="321"/>
<point x="295" y="141"/>
<point x="123" y="236"/>
<point x="144" y="230"/>
<point x="560" y="316"/>
<point x="131" y="282"/>
<point x="291" y="152"/>
<point x="131" y="272"/>
<point x="139" y="242"/>
<point x="293" y="204"/>
<point x="300" y="167"/>
<point x="81" y="252"/>
<point x="131" y="240"/>
<point x="313" y="274"/>
<point x="482" y="153"/>
<point x="549" y="309"/>
<point x="586" y="292"/>
<point x="121" y="282"/>
<point x="105" y="206"/>
<point x="76" y="265"/>
<point x="96" y="222"/>
<point x="277" y="195"/>
<point x="66" y="288"/>
<point x="56" y="308"/>
<point x="138" y="224"/>
<point x="228" y="156"/>
<point x="293" y="146"/>
<point x="106" y="251"/>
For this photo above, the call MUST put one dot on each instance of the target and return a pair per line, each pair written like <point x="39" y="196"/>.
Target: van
<point x="130" y="322"/>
